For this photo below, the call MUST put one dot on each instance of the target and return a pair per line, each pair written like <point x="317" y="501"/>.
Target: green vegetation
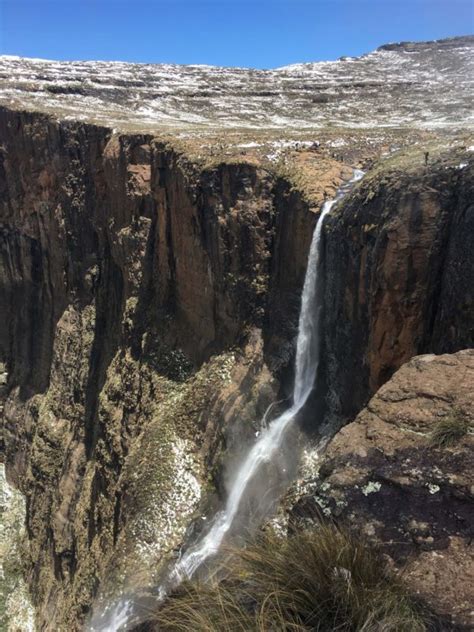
<point x="449" y="430"/>
<point x="318" y="580"/>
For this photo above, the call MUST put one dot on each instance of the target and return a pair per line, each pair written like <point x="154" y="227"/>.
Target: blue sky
<point x="256" y="33"/>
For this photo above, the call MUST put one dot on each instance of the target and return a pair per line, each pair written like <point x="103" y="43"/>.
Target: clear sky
<point x="256" y="33"/>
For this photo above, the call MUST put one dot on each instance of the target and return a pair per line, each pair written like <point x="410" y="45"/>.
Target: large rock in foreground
<point x="402" y="473"/>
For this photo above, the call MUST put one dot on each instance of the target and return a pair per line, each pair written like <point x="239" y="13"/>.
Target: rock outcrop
<point x="400" y="272"/>
<point x="402" y="474"/>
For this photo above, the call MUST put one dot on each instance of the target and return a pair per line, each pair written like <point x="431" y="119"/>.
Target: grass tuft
<point x="321" y="580"/>
<point x="449" y="430"/>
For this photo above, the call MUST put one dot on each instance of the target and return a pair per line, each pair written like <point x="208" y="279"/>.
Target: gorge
<point x="268" y="442"/>
<point x="150" y="287"/>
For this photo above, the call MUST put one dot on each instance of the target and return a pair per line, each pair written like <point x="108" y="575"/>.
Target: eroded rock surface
<point x="396" y="476"/>
<point x="400" y="271"/>
<point x="16" y="612"/>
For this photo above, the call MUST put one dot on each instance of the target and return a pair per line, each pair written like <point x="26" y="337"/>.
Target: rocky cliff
<point x="401" y="474"/>
<point x="149" y="298"/>
<point x="400" y="274"/>
<point x="133" y="290"/>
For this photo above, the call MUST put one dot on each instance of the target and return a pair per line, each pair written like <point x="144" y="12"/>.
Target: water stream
<point x="271" y="438"/>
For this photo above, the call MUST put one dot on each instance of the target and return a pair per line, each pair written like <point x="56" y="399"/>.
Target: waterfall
<point x="270" y="439"/>
<point x="306" y="366"/>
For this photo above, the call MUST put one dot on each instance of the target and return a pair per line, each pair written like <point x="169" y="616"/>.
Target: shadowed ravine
<point x="122" y="615"/>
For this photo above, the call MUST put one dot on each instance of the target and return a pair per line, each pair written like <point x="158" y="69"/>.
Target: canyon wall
<point x="149" y="306"/>
<point x="133" y="291"/>
<point x="400" y="272"/>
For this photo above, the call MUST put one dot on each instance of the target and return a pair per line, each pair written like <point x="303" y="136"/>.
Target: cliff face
<point x="400" y="275"/>
<point x="77" y="196"/>
<point x="147" y="304"/>
<point x="127" y="276"/>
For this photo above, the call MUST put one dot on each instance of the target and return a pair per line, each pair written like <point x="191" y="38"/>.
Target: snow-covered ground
<point x="421" y="85"/>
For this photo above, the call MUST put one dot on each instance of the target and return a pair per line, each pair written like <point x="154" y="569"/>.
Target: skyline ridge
<point x="468" y="37"/>
<point x="228" y="33"/>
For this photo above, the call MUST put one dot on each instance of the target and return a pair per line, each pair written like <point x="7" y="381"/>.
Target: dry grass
<point x="449" y="430"/>
<point x="319" y="580"/>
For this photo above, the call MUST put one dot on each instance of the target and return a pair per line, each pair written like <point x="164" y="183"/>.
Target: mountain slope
<point x="421" y="85"/>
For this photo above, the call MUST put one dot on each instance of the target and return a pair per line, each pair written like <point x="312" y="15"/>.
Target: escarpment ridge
<point x="422" y="84"/>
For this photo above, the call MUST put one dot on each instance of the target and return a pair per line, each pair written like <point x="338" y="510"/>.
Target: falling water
<point x="270" y="440"/>
<point x="306" y="366"/>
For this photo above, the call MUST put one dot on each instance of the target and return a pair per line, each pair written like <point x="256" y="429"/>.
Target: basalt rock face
<point x="147" y="303"/>
<point x="86" y="196"/>
<point x="402" y="474"/>
<point x="133" y="295"/>
<point x="400" y="273"/>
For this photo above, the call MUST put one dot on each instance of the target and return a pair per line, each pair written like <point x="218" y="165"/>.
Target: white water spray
<point x="270" y="439"/>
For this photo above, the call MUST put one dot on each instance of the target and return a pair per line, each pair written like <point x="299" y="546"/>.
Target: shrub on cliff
<point x="324" y="580"/>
